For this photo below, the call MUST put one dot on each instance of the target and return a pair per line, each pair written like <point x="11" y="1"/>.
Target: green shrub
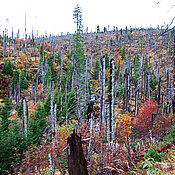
<point x="149" y="165"/>
<point x="172" y="132"/>
<point x="7" y="68"/>
<point x="153" y="153"/>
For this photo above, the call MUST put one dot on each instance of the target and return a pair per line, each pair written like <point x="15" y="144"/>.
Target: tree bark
<point x="19" y="87"/>
<point x="24" y="117"/>
<point x="111" y="100"/>
<point x="173" y="101"/>
<point x="168" y="106"/>
<point x="102" y="90"/>
<point x="77" y="164"/>
<point x="159" y="91"/>
<point x="52" y="121"/>
<point x="107" y="123"/>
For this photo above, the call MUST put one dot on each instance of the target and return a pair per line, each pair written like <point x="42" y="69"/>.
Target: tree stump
<point x="77" y="164"/>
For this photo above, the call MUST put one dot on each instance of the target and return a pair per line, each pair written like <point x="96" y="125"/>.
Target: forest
<point x="99" y="103"/>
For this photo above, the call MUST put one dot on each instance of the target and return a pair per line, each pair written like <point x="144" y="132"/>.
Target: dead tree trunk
<point x="102" y="90"/>
<point x="61" y="72"/>
<point x="159" y="91"/>
<point x="52" y="122"/>
<point x="19" y="87"/>
<point x="168" y="106"/>
<point x="3" y="45"/>
<point x="173" y="101"/>
<point x="65" y="96"/>
<point x="24" y="118"/>
<point x="111" y="100"/>
<point x="76" y="161"/>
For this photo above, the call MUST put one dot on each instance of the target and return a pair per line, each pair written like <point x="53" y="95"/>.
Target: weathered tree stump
<point x="77" y="164"/>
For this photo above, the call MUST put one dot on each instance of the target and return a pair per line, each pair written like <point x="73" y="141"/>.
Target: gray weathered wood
<point x="111" y="99"/>
<point x="24" y="117"/>
<point x="102" y="90"/>
<point x="52" y="108"/>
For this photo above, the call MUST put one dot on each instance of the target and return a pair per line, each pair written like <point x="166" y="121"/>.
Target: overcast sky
<point x="55" y="16"/>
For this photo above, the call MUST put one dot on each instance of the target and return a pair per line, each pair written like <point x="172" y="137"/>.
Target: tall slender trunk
<point x="65" y="94"/>
<point x="159" y="91"/>
<point x="34" y="100"/>
<point x="173" y="101"/>
<point x="90" y="142"/>
<point x="111" y="99"/>
<point x="14" y="52"/>
<point x="10" y="92"/>
<point x="72" y="83"/>
<point x="148" y="87"/>
<point x="102" y="90"/>
<point x="19" y="87"/>
<point x="85" y="82"/>
<point x="61" y="72"/>
<point x="136" y="98"/>
<point x="32" y="97"/>
<point x="24" y="117"/>
<point x="3" y="45"/>
<point x="50" y="164"/>
<point x="52" y="108"/>
<point x="55" y="119"/>
<point x="78" y="105"/>
<point x="47" y="84"/>
<point x="168" y="106"/>
<point x="107" y="123"/>
<point x="36" y="83"/>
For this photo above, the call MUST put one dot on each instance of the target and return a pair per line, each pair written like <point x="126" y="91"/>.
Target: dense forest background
<point x="115" y="88"/>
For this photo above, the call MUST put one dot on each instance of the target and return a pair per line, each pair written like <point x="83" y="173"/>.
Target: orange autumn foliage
<point x="23" y="58"/>
<point x="39" y="87"/>
<point x="107" y="74"/>
<point x="57" y="47"/>
<point x="124" y="126"/>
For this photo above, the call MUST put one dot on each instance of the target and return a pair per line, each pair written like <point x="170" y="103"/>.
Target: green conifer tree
<point x="24" y="83"/>
<point x="123" y="52"/>
<point x="7" y="68"/>
<point x="12" y="144"/>
<point x="50" y="61"/>
<point x="49" y="71"/>
<point x="15" y="78"/>
<point x="37" y="126"/>
<point x="46" y="105"/>
<point x="5" y="114"/>
<point x="78" y="50"/>
<point x="106" y="61"/>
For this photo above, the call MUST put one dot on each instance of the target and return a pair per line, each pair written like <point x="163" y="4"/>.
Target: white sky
<point x="55" y="16"/>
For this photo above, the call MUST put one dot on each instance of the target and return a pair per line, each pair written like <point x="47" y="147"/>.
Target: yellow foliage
<point x="23" y="58"/>
<point x="119" y="60"/>
<point x="124" y="126"/>
<point x="65" y="57"/>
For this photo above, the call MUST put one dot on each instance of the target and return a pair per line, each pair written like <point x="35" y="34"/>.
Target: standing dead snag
<point x="102" y="89"/>
<point x="111" y="100"/>
<point x="76" y="161"/>
<point x="173" y="101"/>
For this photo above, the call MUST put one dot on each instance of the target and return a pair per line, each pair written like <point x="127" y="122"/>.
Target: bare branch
<point x="167" y="28"/>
